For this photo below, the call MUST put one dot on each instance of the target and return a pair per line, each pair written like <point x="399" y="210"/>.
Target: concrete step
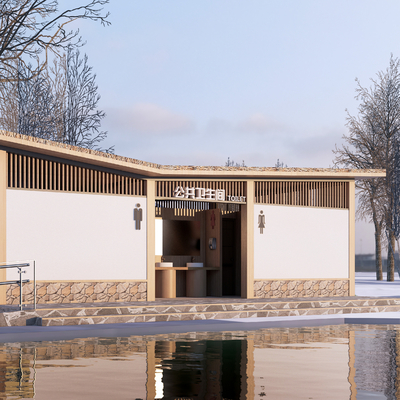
<point x="184" y="312"/>
<point x="212" y="306"/>
<point x="112" y="319"/>
<point x="181" y="311"/>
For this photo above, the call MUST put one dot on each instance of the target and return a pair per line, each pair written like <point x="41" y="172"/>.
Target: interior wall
<point x="231" y="254"/>
<point x="76" y="236"/>
<point x="238" y="255"/>
<point x="213" y="229"/>
<point x="301" y="243"/>
<point x="164" y="232"/>
<point x="181" y="238"/>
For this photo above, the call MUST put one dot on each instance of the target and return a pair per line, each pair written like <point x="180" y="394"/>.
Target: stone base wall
<point x="301" y="288"/>
<point x="78" y="292"/>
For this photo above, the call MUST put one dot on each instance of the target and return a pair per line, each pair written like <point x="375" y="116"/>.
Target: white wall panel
<point x="159" y="237"/>
<point x="76" y="236"/>
<point x="301" y="243"/>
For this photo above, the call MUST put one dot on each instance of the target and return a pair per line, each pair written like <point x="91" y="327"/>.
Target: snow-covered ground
<point x="367" y="285"/>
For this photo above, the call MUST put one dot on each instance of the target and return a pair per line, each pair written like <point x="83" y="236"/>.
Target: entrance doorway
<point x="231" y="255"/>
<point x="197" y="249"/>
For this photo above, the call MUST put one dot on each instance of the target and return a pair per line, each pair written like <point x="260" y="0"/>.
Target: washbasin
<point x="194" y="265"/>
<point x="165" y="264"/>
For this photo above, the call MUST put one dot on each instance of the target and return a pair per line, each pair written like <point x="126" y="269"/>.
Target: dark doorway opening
<point x="231" y="255"/>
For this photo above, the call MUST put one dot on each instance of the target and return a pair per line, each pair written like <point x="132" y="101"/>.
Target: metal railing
<point x="20" y="281"/>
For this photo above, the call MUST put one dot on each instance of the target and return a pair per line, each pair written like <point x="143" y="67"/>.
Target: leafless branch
<point x="58" y="103"/>
<point x="33" y="28"/>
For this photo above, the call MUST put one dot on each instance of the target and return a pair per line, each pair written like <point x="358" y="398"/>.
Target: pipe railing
<point x="20" y="281"/>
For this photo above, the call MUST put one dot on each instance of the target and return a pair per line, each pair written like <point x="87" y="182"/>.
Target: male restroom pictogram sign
<point x="138" y="216"/>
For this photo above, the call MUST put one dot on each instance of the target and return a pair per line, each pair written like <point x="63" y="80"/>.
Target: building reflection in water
<point x="374" y="355"/>
<point x="329" y="362"/>
<point x="204" y="369"/>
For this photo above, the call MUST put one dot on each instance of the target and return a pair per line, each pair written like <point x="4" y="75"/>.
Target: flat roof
<point x="10" y="140"/>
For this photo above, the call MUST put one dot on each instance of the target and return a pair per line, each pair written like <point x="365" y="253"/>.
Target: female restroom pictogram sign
<point x="261" y="221"/>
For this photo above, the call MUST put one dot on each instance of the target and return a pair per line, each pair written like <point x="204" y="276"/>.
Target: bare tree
<point x="371" y="143"/>
<point x="370" y="208"/>
<point x="33" y="28"/>
<point x="37" y="107"/>
<point x="27" y="105"/>
<point x="57" y="103"/>
<point x="231" y="163"/>
<point x="56" y="76"/>
<point x="362" y="151"/>
<point x="9" y="103"/>
<point x="279" y="164"/>
<point x="81" y="118"/>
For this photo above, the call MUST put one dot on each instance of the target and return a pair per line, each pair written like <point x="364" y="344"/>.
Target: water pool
<point x="329" y="362"/>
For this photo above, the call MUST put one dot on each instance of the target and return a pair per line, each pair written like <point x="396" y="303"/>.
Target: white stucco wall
<point x="76" y="236"/>
<point x="301" y="243"/>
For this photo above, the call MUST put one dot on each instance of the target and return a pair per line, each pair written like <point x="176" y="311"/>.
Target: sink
<point x="194" y="265"/>
<point x="165" y="264"/>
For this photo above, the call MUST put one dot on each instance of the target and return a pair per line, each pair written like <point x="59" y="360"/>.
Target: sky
<point x="196" y="82"/>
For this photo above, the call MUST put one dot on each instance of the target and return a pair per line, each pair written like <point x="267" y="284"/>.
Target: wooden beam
<point x="247" y="243"/>
<point x="352" y="234"/>
<point x="151" y="240"/>
<point x="3" y="227"/>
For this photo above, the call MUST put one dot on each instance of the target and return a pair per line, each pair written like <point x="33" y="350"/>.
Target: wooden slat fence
<point x="327" y="194"/>
<point x="25" y="172"/>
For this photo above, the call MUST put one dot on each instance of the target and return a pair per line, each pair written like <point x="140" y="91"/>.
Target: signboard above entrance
<point x="197" y="193"/>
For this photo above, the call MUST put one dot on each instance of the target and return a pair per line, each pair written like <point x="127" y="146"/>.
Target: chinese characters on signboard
<point x="196" y="193"/>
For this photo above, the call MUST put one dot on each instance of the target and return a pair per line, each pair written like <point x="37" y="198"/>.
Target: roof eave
<point x="151" y="170"/>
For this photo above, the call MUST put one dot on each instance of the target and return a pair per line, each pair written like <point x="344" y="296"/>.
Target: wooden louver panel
<point x="25" y="172"/>
<point x="324" y="194"/>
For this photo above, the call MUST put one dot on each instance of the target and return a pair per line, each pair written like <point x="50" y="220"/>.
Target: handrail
<point x="19" y="266"/>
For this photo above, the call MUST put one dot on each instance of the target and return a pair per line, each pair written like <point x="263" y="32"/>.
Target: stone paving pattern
<point x="78" y="292"/>
<point x="191" y="309"/>
<point x="300" y="288"/>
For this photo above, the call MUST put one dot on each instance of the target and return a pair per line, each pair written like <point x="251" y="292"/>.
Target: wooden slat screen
<point x="185" y="208"/>
<point x="327" y="194"/>
<point x="189" y="205"/>
<point x="182" y="208"/>
<point x="25" y="172"/>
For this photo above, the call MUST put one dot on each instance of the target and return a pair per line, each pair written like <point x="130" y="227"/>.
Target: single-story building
<point x="101" y="227"/>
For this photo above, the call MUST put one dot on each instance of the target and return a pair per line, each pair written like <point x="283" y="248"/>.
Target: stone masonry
<point x="78" y="292"/>
<point x="300" y="288"/>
